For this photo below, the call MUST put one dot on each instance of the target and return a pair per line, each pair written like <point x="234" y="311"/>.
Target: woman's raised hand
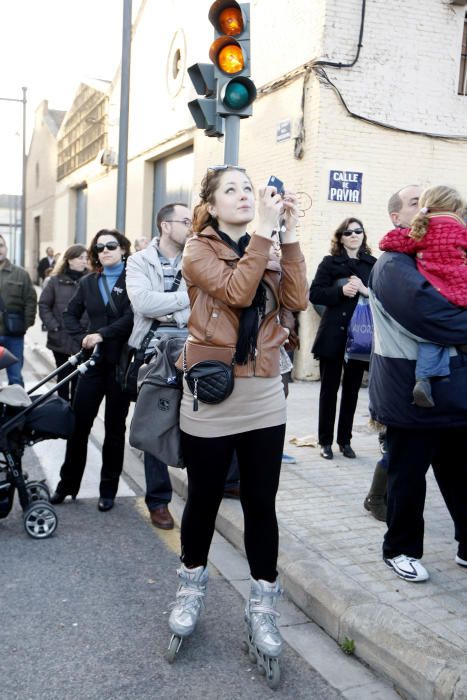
<point x="290" y="215"/>
<point x="269" y="205"/>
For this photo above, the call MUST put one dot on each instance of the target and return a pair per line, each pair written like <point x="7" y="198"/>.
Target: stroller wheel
<point x="40" y="520"/>
<point x="37" y="491"/>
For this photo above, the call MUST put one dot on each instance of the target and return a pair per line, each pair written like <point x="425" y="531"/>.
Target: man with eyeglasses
<point x="161" y="306"/>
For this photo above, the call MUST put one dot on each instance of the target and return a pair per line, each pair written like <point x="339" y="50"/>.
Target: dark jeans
<point x="158" y="486"/>
<point x="14" y="344"/>
<point x="97" y="383"/>
<point x="410" y="453"/>
<point x="330" y="369"/>
<point x="259" y="455"/>
<point x="67" y="391"/>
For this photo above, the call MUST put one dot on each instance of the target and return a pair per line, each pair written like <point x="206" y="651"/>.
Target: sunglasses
<point x="349" y="232"/>
<point x="111" y="245"/>
<point x="217" y="168"/>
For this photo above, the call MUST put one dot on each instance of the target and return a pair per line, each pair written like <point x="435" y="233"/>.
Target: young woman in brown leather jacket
<point x="236" y="284"/>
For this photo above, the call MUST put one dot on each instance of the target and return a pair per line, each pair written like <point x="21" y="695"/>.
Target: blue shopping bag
<point x="360" y="332"/>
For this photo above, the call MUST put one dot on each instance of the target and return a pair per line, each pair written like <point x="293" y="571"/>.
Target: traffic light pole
<point x="231" y="139"/>
<point x="124" y="118"/>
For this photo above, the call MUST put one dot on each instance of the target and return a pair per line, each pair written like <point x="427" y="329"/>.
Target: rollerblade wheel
<point x="174" y="645"/>
<point x="37" y="491"/>
<point x="273" y="675"/>
<point x="40" y="520"/>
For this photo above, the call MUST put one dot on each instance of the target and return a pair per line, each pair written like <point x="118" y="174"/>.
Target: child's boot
<point x="422" y="394"/>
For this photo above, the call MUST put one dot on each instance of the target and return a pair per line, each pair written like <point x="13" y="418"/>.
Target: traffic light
<point x="230" y="54"/>
<point x="202" y="110"/>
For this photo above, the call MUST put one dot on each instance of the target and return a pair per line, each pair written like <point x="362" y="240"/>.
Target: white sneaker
<point x="408" y="568"/>
<point x="461" y="556"/>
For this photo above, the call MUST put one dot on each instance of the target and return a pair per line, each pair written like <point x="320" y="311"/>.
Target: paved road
<point x="94" y="659"/>
<point x="85" y="616"/>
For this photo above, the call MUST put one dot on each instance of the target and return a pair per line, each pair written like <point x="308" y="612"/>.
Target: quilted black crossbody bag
<point x="210" y="381"/>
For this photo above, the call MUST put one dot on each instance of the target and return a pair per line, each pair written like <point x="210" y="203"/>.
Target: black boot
<point x="60" y="494"/>
<point x="375" y="502"/>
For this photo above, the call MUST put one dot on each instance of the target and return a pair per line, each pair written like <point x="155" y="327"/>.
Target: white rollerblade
<point x="263" y="639"/>
<point x="187" y="606"/>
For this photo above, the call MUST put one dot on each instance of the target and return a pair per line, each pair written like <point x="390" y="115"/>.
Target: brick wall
<point x="406" y="76"/>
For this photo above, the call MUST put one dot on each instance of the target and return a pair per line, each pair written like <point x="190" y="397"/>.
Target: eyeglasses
<point x="110" y="245"/>
<point x="217" y="168"/>
<point x="185" y="222"/>
<point x="349" y="232"/>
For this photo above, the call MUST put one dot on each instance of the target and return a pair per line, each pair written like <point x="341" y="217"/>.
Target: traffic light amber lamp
<point x="227" y="55"/>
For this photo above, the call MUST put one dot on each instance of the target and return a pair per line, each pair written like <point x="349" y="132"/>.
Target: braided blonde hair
<point x="436" y="200"/>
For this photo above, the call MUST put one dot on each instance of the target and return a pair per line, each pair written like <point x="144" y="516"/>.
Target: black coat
<point x="326" y="290"/>
<point x="52" y="303"/>
<point x="114" y="329"/>
<point x="43" y="266"/>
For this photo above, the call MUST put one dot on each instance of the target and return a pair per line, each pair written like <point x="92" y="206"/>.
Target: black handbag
<point x="131" y="359"/>
<point x="13" y="321"/>
<point x="210" y="381"/>
<point x="130" y="363"/>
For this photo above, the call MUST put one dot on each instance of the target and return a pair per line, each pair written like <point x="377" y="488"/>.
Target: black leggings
<point x="208" y="459"/>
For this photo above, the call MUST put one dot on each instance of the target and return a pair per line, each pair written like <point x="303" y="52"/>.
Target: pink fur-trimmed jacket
<point x="441" y="254"/>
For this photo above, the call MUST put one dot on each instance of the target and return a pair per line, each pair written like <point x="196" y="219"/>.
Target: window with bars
<point x="463" y="67"/>
<point x="84" y="132"/>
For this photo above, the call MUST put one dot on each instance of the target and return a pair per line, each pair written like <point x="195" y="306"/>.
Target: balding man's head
<point x="403" y="205"/>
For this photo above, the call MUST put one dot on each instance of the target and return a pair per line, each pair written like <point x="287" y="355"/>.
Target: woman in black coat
<point x="339" y="280"/>
<point x="57" y="292"/>
<point x="103" y="296"/>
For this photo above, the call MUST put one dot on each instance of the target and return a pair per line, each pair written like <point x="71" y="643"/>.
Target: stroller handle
<point x="80" y="369"/>
<point x="91" y="361"/>
<point x="72" y="362"/>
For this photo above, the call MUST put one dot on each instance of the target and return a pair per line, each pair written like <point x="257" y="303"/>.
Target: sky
<point x="49" y="46"/>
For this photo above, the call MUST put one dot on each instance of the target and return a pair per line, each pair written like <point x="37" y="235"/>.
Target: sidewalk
<point x="331" y="567"/>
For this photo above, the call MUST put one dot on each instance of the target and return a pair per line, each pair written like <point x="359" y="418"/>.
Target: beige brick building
<point x="41" y="181"/>
<point x="390" y="115"/>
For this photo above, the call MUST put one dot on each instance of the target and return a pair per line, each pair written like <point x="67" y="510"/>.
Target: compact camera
<point x="278" y="184"/>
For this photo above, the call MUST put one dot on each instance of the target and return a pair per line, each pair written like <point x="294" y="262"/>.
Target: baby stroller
<point x="25" y="419"/>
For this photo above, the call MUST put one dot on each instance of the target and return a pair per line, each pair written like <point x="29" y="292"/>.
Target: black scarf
<point x="251" y="315"/>
<point x="74" y="274"/>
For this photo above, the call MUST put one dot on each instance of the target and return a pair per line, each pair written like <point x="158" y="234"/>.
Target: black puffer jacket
<point x="52" y="303"/>
<point x="326" y="289"/>
<point x="114" y="329"/>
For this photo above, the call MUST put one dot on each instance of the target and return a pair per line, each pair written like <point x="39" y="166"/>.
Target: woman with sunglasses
<point x="236" y="284"/>
<point x="102" y="295"/>
<point x="339" y="280"/>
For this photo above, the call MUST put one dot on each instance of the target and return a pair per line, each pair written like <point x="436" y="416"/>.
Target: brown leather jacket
<point x="220" y="285"/>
